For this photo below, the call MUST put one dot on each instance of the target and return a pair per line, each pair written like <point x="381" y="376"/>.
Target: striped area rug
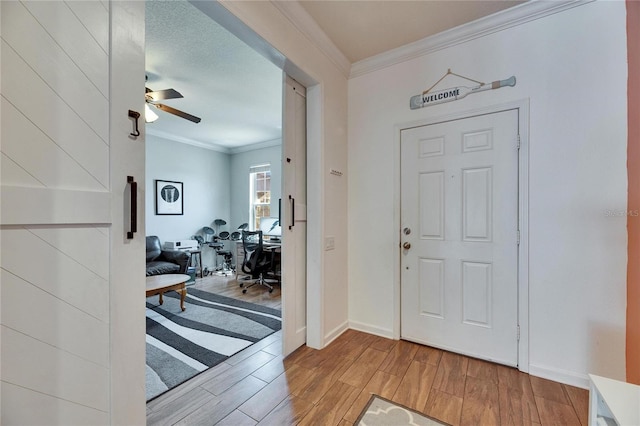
<point x="210" y="330"/>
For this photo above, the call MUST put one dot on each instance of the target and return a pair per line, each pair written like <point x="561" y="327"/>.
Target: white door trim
<point x="523" y="215"/>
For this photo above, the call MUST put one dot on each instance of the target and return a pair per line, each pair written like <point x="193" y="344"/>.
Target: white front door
<point x="71" y="281"/>
<point x="294" y="217"/>
<point x="459" y="225"/>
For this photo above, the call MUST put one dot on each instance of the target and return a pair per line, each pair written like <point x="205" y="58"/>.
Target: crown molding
<point x="254" y="146"/>
<point x="213" y="146"/>
<point x="181" y="139"/>
<point x="508" y="18"/>
<point x="301" y="19"/>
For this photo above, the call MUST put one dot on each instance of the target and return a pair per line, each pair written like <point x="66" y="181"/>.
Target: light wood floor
<point x="228" y="286"/>
<point x="332" y="386"/>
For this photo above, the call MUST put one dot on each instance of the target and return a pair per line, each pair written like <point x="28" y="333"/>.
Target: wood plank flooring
<point x="228" y="286"/>
<point x="331" y="386"/>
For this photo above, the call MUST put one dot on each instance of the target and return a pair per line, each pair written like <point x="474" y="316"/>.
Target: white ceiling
<point x="362" y="29"/>
<point x="238" y="93"/>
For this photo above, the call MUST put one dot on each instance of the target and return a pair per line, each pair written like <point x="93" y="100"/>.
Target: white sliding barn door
<point x="459" y="218"/>
<point x="71" y="282"/>
<point x="294" y="217"/>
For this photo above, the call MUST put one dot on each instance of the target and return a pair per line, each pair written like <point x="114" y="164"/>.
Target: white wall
<point x="572" y="68"/>
<point x="239" y="184"/>
<point x="205" y="175"/>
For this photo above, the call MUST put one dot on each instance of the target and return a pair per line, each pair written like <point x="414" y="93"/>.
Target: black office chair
<point x="256" y="262"/>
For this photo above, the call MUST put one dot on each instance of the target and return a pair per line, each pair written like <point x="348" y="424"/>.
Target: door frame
<point x="315" y="164"/>
<point x="522" y="106"/>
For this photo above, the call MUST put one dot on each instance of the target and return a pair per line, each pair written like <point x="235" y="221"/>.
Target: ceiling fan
<point x="153" y="97"/>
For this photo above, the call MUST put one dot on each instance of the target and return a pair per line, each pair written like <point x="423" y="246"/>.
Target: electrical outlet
<point x="329" y="243"/>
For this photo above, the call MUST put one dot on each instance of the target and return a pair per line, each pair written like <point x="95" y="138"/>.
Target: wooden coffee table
<point x="158" y="284"/>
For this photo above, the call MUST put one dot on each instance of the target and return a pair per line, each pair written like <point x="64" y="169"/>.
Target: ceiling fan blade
<point x="177" y="112"/>
<point x="161" y="95"/>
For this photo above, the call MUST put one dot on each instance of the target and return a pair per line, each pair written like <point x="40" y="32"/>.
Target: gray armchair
<point x="161" y="261"/>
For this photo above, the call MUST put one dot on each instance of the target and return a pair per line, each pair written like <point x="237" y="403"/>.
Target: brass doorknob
<point x="406" y="245"/>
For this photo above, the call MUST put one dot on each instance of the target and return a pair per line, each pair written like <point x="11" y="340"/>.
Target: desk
<point x="276" y="253"/>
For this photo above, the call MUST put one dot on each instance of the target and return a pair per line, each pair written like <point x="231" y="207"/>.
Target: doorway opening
<point x="217" y="166"/>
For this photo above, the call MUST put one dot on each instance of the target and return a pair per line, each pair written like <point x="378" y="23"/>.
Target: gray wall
<point x="205" y="175"/>
<point x="240" y="164"/>
<point x="216" y="186"/>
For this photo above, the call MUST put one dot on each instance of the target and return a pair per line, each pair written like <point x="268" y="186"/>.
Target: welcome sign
<point x="455" y="93"/>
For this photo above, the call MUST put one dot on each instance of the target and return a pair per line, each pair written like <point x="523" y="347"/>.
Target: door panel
<point x="58" y="233"/>
<point x="432" y="205"/>
<point x="55" y="280"/>
<point x="294" y="217"/>
<point x="432" y="289"/>
<point x="476" y="204"/>
<point x="476" y="293"/>
<point x="459" y="199"/>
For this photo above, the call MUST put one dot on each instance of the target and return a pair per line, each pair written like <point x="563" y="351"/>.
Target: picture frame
<point x="169" y="197"/>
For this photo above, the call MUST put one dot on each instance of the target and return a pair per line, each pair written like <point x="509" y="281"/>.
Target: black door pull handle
<point x="134" y="207"/>
<point x="293" y="211"/>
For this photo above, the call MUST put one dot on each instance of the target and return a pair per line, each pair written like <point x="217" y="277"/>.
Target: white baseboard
<point x="335" y="333"/>
<point x="366" y="328"/>
<point x="382" y="332"/>
<point x="562" y="376"/>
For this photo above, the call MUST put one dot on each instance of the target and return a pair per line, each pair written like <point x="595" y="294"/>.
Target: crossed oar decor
<point x="428" y="98"/>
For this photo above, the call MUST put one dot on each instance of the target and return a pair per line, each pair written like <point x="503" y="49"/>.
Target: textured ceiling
<point x="362" y="29"/>
<point x="236" y="92"/>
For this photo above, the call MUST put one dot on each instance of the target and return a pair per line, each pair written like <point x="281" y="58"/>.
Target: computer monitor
<point x="270" y="227"/>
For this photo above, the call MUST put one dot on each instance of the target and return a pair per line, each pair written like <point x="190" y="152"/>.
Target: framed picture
<point x="169" y="197"/>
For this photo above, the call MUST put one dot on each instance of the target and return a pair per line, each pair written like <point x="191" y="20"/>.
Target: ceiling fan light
<point x="149" y="115"/>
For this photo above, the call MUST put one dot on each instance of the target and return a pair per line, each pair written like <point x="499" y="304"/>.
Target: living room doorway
<point x="205" y="168"/>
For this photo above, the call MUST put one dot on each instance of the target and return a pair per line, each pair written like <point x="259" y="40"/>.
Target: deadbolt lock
<point x="406" y="231"/>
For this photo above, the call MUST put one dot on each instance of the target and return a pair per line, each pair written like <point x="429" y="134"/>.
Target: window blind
<point x="260" y="168"/>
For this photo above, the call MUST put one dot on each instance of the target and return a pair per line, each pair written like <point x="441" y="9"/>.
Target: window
<point x="259" y="194"/>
